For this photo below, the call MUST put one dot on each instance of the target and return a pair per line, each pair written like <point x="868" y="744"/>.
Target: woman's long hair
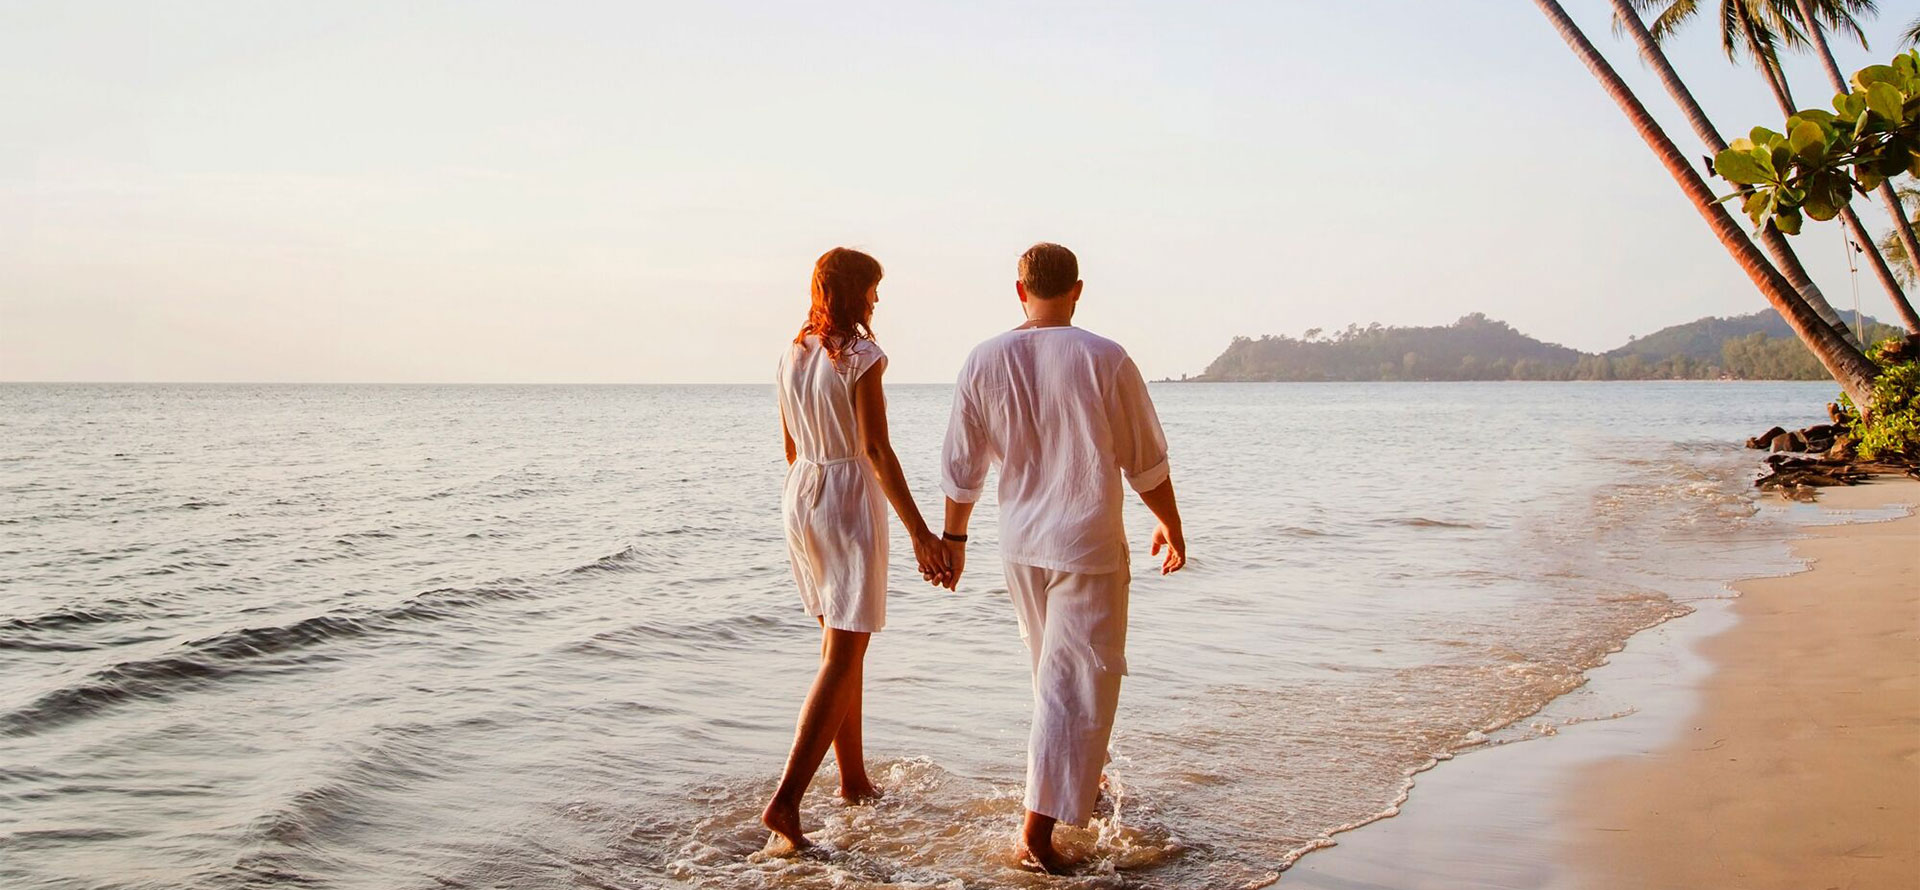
<point x="840" y="311"/>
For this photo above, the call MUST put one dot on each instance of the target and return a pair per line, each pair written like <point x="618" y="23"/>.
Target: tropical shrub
<point x="1893" y="431"/>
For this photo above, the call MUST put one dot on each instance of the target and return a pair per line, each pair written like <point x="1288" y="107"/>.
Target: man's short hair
<point x="1048" y="270"/>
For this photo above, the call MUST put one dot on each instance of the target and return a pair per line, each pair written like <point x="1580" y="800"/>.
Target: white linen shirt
<point x="1065" y="414"/>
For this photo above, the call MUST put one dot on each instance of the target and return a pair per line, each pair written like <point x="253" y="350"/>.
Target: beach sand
<point x="1775" y="742"/>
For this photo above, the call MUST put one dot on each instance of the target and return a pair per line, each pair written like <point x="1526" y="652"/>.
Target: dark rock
<point x="1764" y="439"/>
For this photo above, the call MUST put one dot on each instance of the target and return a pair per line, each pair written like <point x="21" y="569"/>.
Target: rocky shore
<point x="1818" y="456"/>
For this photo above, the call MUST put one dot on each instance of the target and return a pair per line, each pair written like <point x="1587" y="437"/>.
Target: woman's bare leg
<point x="847" y="750"/>
<point x="855" y="787"/>
<point x="833" y="691"/>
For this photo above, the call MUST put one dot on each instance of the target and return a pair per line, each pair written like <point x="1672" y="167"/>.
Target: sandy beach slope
<point x="1774" y="742"/>
<point x="1802" y="768"/>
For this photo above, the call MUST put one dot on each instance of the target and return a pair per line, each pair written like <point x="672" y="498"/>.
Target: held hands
<point x="957" y="563"/>
<point x="935" y="560"/>
<point x="1175" y="541"/>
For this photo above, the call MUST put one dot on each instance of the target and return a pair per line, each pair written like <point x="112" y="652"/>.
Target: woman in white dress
<point x="833" y="416"/>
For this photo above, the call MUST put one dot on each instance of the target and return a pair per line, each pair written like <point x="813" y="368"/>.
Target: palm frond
<point x="1733" y="29"/>
<point x="1782" y="18"/>
<point x="1895" y="253"/>
<point x="1912" y="36"/>
<point x="1843" y="17"/>
<point x="1673" y="14"/>
<point x="1892" y="248"/>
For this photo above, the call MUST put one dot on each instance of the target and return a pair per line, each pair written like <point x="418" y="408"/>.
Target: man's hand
<point x="1176" y="543"/>
<point x="931" y="554"/>
<point x="957" y="563"/>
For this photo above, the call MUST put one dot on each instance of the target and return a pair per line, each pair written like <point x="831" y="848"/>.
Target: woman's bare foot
<point x="859" y="792"/>
<point x="784" y="822"/>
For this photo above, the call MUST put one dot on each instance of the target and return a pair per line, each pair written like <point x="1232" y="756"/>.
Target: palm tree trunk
<point x="1901" y="226"/>
<point x="1770" y="238"/>
<point x="1881" y="270"/>
<point x="1847" y="365"/>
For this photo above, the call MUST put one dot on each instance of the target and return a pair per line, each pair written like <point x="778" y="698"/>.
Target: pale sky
<point x="635" y="193"/>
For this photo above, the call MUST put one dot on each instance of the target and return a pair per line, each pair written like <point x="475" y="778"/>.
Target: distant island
<point x="1745" y="347"/>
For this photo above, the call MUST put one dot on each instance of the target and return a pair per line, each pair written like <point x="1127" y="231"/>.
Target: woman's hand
<point x="931" y="553"/>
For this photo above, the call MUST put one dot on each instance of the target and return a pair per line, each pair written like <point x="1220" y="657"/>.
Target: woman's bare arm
<point x="870" y="408"/>
<point x="787" y="435"/>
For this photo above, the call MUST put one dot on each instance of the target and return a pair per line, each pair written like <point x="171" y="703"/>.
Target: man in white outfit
<point x="1066" y="415"/>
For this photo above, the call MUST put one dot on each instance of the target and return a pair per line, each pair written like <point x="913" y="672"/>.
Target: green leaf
<point x="1766" y="137"/>
<point x="1817" y="115"/>
<point x="1782" y="160"/>
<point x="1808" y="141"/>
<point x="1885" y="100"/>
<point x="1735" y="165"/>
<point x="1741" y="144"/>
<point x="1860" y="126"/>
<point x="1753" y="204"/>
<point x="1867" y="177"/>
<point x="1788" y="220"/>
<point x="1763" y="210"/>
<point x="1873" y="74"/>
<point x="1819" y="204"/>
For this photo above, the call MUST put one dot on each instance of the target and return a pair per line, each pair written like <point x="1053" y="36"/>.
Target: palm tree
<point x="1913" y="32"/>
<point x="1628" y="20"/>
<point x="1751" y="26"/>
<point x="1757" y="28"/>
<point x="1810" y="15"/>
<point x="1848" y="366"/>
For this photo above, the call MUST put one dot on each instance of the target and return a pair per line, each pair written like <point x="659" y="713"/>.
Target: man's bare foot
<point x="785" y="825"/>
<point x="1044" y="859"/>
<point x="859" y="792"/>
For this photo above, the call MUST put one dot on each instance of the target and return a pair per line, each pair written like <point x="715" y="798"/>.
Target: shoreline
<point x="1582" y="807"/>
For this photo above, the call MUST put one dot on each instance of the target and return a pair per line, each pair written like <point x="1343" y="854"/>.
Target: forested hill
<point x="1705" y="340"/>
<point x="1758" y="346"/>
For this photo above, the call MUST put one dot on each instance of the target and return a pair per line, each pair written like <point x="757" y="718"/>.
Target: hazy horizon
<point x="493" y="193"/>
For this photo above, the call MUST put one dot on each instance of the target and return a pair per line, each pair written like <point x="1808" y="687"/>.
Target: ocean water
<point x="526" y="637"/>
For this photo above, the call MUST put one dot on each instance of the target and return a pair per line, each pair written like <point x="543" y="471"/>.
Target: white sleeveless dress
<point x="835" y="513"/>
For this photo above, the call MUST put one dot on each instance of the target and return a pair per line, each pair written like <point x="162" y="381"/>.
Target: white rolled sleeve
<point x="967" y="453"/>
<point x="1139" y="445"/>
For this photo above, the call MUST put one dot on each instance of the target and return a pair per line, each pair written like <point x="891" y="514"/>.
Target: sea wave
<point x="202" y="662"/>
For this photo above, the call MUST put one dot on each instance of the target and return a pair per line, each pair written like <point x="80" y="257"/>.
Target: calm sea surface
<point x="529" y="637"/>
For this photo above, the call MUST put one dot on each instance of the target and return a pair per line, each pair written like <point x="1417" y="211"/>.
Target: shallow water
<point x="444" y="636"/>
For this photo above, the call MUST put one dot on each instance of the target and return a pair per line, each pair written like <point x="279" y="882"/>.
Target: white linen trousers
<point x="1075" y="628"/>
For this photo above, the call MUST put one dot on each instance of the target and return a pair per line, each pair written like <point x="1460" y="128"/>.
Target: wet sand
<point x="1774" y="741"/>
